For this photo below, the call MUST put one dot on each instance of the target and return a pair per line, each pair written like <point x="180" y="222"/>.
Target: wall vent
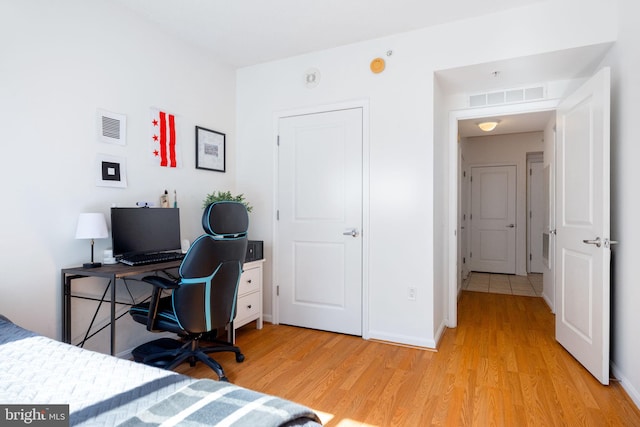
<point x="508" y="96"/>
<point x="112" y="127"/>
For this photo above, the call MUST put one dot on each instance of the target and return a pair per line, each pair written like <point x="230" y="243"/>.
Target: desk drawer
<point x="250" y="281"/>
<point x="248" y="307"/>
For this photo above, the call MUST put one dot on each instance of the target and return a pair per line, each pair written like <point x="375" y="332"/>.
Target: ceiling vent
<point x="507" y="96"/>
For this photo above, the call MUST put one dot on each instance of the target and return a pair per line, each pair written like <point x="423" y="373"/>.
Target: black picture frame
<point x="211" y="150"/>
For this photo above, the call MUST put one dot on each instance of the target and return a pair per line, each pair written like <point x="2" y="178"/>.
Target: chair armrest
<point x="159" y="283"/>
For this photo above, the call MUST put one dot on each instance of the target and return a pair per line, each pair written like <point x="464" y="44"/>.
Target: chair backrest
<point x="210" y="271"/>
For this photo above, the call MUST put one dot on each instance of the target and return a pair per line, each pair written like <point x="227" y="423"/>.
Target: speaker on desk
<point x="254" y="250"/>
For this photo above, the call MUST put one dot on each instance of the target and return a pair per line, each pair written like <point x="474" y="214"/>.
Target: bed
<point x="103" y="390"/>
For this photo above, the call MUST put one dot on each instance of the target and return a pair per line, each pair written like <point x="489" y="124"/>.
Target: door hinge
<point x="278" y="215"/>
<point x="530" y="214"/>
<point x="278" y="290"/>
<point x="530" y="257"/>
<point x="530" y="172"/>
<point x="464" y="260"/>
<point x="470" y="254"/>
<point x="278" y="141"/>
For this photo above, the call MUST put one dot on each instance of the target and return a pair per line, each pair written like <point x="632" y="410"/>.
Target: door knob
<point x="353" y="232"/>
<point x="608" y="243"/>
<point x="511" y="226"/>
<point x="596" y="242"/>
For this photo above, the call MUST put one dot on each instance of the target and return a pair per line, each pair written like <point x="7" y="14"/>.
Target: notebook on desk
<point x="145" y="235"/>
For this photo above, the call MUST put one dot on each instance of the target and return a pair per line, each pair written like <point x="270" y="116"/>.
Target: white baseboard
<point x="440" y="332"/>
<point x="633" y="393"/>
<point x="548" y="301"/>
<point x="402" y="340"/>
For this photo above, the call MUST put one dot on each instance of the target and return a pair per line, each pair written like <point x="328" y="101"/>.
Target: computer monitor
<point x="145" y="230"/>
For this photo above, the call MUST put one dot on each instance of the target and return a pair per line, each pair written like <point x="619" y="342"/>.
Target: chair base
<point x="167" y="353"/>
<point x="159" y="353"/>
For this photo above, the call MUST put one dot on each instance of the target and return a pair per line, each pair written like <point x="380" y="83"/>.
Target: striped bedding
<point x="208" y="402"/>
<point x="103" y="390"/>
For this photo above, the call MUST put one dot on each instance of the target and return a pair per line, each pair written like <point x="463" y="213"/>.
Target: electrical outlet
<point x="412" y="293"/>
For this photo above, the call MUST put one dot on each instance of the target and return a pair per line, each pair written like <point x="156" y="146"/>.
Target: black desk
<point x="113" y="273"/>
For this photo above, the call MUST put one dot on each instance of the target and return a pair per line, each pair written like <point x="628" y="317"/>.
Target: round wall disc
<point x="377" y="65"/>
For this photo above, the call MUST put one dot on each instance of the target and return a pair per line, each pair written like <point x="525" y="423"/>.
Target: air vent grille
<point x="112" y="127"/>
<point x="507" y="96"/>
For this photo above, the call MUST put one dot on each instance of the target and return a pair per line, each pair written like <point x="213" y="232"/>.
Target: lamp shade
<point x="92" y="226"/>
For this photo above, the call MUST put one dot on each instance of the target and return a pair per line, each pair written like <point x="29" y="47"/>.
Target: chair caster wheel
<point x="239" y="357"/>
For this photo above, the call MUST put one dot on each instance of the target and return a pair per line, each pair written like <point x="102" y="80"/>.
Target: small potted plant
<point x="218" y="196"/>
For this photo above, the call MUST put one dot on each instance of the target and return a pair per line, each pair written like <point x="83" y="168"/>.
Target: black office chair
<point x="203" y="301"/>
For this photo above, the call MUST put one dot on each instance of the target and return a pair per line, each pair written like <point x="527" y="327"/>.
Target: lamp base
<point x="91" y="264"/>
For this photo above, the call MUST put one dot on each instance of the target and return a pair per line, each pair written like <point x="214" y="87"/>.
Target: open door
<point x="582" y="225"/>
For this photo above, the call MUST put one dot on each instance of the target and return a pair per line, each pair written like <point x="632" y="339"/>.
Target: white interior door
<point x="319" y="253"/>
<point x="582" y="225"/>
<point x="536" y="217"/>
<point x="493" y="219"/>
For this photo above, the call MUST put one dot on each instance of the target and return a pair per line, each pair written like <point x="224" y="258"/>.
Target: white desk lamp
<point x="92" y="226"/>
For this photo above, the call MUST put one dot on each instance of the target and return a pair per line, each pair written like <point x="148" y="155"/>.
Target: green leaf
<point x="218" y="196"/>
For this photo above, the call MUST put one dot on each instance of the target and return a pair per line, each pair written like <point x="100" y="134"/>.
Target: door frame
<point x="364" y="233"/>
<point x="454" y="186"/>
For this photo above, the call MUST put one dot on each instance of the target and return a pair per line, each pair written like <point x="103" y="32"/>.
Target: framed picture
<point x="112" y="127"/>
<point x="111" y="171"/>
<point x="210" y="149"/>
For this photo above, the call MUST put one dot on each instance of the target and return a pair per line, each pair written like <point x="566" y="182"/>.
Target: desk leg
<point x="113" y="315"/>
<point x="66" y="309"/>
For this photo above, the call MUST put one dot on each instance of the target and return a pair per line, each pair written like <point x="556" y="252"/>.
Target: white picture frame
<point x="111" y="171"/>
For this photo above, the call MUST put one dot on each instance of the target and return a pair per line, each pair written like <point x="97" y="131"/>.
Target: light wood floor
<point x="501" y="366"/>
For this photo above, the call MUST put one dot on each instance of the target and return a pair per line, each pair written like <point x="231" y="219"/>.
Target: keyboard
<point x="141" y="259"/>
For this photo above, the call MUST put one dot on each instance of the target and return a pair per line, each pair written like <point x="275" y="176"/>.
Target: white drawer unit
<point x="250" y="295"/>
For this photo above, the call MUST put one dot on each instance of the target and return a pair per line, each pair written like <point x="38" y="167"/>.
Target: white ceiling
<point x="516" y="72"/>
<point x="247" y="32"/>
<point x="517" y="123"/>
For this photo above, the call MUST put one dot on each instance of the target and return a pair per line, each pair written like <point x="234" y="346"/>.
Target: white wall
<point x="510" y="149"/>
<point x="403" y="201"/>
<point x="440" y="171"/>
<point x="60" y="62"/>
<point x="625" y="203"/>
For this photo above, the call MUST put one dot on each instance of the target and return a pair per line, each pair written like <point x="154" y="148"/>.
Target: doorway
<point x="582" y="213"/>
<point x="500" y="212"/>
<point x="456" y="178"/>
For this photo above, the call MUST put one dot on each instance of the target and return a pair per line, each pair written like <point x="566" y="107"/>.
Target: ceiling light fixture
<point x="487" y="126"/>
